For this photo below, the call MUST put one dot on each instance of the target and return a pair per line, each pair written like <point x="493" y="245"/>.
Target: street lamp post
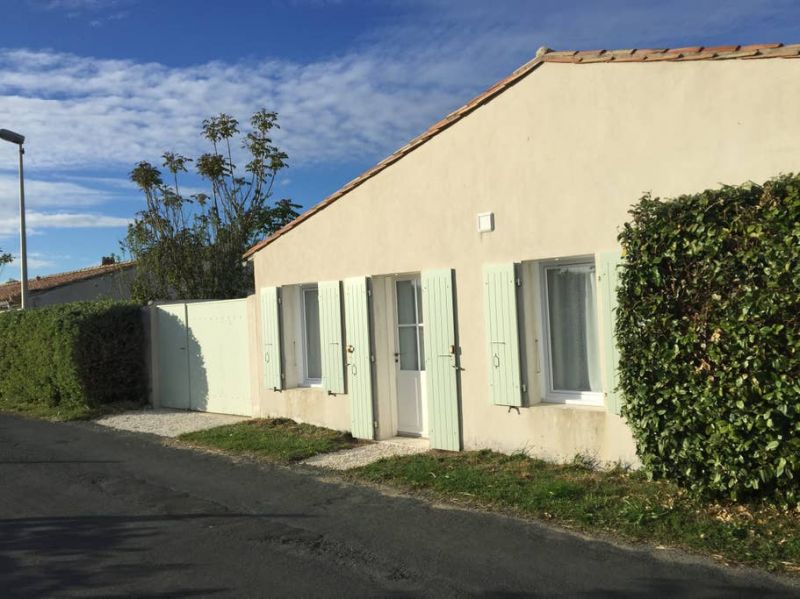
<point x="19" y="140"/>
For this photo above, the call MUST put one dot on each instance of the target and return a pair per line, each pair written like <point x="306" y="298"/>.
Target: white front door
<point x="412" y="409"/>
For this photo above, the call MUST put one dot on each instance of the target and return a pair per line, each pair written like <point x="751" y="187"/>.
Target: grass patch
<point x="618" y="503"/>
<point x="276" y="440"/>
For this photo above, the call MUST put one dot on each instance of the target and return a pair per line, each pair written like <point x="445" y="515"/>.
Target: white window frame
<point x="305" y="380"/>
<point x="586" y="398"/>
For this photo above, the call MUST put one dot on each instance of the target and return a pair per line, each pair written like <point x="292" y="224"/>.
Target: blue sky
<point x="97" y="85"/>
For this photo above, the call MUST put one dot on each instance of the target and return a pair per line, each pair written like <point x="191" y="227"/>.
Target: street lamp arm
<point x="14" y="138"/>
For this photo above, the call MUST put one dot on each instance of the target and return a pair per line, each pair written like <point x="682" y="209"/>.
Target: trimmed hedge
<point x="76" y="357"/>
<point x="708" y="328"/>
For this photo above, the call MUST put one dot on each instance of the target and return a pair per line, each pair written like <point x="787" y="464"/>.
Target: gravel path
<point x="166" y="423"/>
<point x="366" y="454"/>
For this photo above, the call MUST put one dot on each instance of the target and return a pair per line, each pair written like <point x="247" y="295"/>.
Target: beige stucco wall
<point x="558" y="158"/>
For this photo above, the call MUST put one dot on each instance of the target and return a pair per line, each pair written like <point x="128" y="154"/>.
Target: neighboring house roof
<point x="753" y="51"/>
<point x="9" y="292"/>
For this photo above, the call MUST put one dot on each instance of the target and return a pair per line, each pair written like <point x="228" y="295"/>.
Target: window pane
<point x="405" y="303"/>
<point x="573" y="328"/>
<point x="311" y="334"/>
<point x="421" y="348"/>
<point x="418" y="289"/>
<point x="408" y="348"/>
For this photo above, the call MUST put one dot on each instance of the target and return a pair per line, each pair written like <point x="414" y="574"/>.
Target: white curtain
<point x="573" y="328"/>
<point x="312" y="335"/>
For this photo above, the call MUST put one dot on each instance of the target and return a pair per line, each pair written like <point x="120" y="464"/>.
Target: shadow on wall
<point x="198" y="376"/>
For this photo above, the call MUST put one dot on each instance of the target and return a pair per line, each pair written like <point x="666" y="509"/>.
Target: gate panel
<point x="173" y="361"/>
<point x="219" y="365"/>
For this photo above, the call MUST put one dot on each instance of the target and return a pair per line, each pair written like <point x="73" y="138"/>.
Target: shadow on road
<point x="44" y="556"/>
<point x="12" y="462"/>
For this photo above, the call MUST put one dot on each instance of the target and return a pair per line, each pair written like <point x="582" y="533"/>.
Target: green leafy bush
<point x="75" y="357"/>
<point x="708" y="329"/>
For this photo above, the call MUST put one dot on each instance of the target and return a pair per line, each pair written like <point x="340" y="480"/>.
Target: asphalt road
<point x="87" y="511"/>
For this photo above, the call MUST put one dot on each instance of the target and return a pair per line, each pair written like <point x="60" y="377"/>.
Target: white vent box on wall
<point x="485" y="222"/>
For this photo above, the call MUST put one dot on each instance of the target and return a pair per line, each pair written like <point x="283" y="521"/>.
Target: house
<point x="463" y="288"/>
<point x="111" y="280"/>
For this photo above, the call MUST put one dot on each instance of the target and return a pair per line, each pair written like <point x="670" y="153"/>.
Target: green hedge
<point x="74" y="357"/>
<point x="708" y="329"/>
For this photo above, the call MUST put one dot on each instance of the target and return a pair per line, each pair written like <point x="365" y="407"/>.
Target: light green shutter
<point x="502" y="331"/>
<point x="607" y="264"/>
<point x="441" y="359"/>
<point x="271" y="338"/>
<point x="330" y="336"/>
<point x="359" y="357"/>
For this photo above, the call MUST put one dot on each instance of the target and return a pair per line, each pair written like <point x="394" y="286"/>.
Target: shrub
<point x="75" y="357"/>
<point x="708" y="329"/>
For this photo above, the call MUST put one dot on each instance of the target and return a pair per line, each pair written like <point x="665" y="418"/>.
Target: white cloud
<point x="74" y="4"/>
<point x="48" y="193"/>
<point x="79" y="112"/>
<point x="82" y="114"/>
<point x="85" y="112"/>
<point x="58" y="204"/>
<point x="34" y="221"/>
<point x="35" y="261"/>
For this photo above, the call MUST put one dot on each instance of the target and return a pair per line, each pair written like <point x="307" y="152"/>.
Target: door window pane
<point x="405" y="303"/>
<point x="311" y="334"/>
<point x="421" y="348"/>
<point x="408" y="348"/>
<point x="419" y="302"/>
<point x="573" y="328"/>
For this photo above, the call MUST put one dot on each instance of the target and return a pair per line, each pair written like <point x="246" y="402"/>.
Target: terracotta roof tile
<point x="720" y="49"/>
<point x="663" y="56"/>
<point x="597" y="58"/>
<point x="687" y="49"/>
<point x="699" y="56"/>
<point x="11" y="291"/>
<point x="760" y="46"/>
<point x="645" y="55"/>
<point x="648" y="51"/>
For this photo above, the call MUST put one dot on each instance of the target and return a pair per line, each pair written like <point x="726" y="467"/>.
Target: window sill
<point x="560" y="405"/>
<point x="310" y="385"/>
<point x="589" y="398"/>
<point x="308" y="388"/>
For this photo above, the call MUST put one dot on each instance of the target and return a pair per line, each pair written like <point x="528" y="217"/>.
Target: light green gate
<point x="219" y="361"/>
<point x="441" y="359"/>
<point x="173" y="357"/>
<point x="203" y="356"/>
